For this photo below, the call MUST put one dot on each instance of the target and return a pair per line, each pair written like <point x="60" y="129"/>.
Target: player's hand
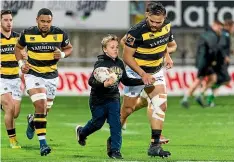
<point x="147" y="79"/>
<point x="109" y="82"/>
<point x="25" y="68"/>
<point x="58" y="54"/>
<point x="168" y="62"/>
<point x="25" y="55"/>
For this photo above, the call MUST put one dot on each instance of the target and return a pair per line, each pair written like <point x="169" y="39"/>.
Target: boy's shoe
<point x="45" y="149"/>
<point x="115" y="155"/>
<point x="80" y="140"/>
<point x="156" y="150"/>
<point x="30" y="129"/>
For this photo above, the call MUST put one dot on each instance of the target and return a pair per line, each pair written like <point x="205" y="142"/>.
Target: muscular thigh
<point x="33" y="82"/>
<point x="51" y="87"/>
<point x="156" y="90"/>
<point x="11" y="86"/>
<point x="129" y="102"/>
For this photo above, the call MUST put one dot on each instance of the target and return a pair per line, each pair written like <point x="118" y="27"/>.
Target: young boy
<point x="105" y="98"/>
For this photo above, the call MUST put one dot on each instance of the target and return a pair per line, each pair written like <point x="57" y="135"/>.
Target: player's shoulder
<point x="57" y="30"/>
<point x="166" y="22"/>
<point x="30" y="30"/>
<point x="139" y="27"/>
<point x="15" y="34"/>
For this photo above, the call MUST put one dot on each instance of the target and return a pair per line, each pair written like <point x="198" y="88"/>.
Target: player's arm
<point x="123" y="40"/>
<point x="67" y="50"/>
<point x="19" y="48"/>
<point x="128" y="52"/>
<point x="130" y="47"/>
<point x="172" y="46"/>
<point x="65" y="46"/>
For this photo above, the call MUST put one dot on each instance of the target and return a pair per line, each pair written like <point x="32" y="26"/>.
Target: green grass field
<point x="196" y="134"/>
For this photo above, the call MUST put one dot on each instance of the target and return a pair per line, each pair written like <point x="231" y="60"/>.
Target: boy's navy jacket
<point x="99" y="93"/>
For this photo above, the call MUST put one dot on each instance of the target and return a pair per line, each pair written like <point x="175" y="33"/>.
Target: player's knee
<point x="159" y="103"/>
<point x="126" y="111"/>
<point x="49" y="104"/>
<point x="141" y="102"/>
<point x="8" y="108"/>
<point x="39" y="101"/>
<point x="16" y="114"/>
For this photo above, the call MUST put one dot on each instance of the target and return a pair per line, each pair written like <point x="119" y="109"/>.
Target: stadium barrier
<point x="74" y="81"/>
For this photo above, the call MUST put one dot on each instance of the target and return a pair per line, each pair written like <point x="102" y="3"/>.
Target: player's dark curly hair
<point x="44" y="11"/>
<point x="5" y="12"/>
<point x="156" y="8"/>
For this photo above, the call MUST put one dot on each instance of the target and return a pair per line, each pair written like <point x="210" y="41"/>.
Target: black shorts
<point x="205" y="71"/>
<point x="222" y="74"/>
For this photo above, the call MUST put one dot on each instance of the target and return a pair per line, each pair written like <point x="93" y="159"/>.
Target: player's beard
<point x="6" y="29"/>
<point x="44" y="30"/>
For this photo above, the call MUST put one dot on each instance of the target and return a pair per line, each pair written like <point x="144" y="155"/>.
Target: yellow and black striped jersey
<point x="40" y="50"/>
<point x="9" y="64"/>
<point x="150" y="46"/>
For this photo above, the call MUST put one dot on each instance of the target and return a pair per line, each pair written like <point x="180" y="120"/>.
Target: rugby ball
<point x="101" y="74"/>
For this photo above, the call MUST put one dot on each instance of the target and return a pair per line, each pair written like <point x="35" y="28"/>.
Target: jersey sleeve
<point x="171" y="37"/>
<point x="134" y="38"/>
<point x="21" y="39"/>
<point x="66" y="40"/>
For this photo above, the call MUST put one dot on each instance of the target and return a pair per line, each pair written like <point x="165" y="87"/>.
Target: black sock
<point x="11" y="133"/>
<point x="155" y="136"/>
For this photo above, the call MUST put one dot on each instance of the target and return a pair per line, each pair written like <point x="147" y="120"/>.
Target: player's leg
<point x="99" y="115"/>
<point x="16" y="95"/>
<point x="131" y="94"/>
<point x="17" y="104"/>
<point x="144" y="101"/>
<point x="192" y="88"/>
<point x="37" y="92"/>
<point x="223" y="78"/>
<point x="8" y="108"/>
<point x="156" y="117"/>
<point x="140" y="103"/>
<point x="127" y="107"/>
<point x="51" y="86"/>
<point x="7" y="103"/>
<point x="212" y="78"/>
<point x="158" y="97"/>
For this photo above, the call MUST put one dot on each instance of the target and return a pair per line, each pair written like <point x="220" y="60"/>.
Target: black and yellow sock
<point x="11" y="134"/>
<point x="40" y="126"/>
<point x="155" y="136"/>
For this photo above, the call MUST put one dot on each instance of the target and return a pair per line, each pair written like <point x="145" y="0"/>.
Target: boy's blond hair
<point x="107" y="39"/>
